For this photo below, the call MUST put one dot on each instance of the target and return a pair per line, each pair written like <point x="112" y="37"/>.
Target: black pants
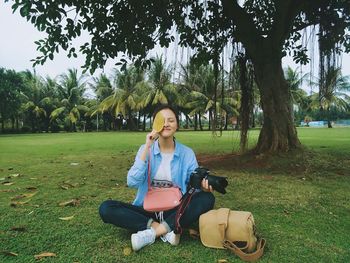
<point x="135" y="218"/>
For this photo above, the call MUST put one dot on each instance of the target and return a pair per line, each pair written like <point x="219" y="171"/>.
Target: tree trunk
<point x="195" y="121"/>
<point x="329" y="123"/>
<point x="209" y="122"/>
<point x="245" y="108"/>
<point x="278" y="132"/>
<point x="144" y="122"/>
<point x="200" y="121"/>
<point x="13" y="124"/>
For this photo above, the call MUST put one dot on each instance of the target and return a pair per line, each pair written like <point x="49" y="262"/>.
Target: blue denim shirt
<point x="183" y="164"/>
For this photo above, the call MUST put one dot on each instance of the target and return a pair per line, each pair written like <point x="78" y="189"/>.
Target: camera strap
<point x="185" y="201"/>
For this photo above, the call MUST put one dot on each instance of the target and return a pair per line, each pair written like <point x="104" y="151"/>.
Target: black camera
<point x="218" y="183"/>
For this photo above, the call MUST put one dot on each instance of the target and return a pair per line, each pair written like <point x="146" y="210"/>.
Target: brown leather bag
<point x="234" y="230"/>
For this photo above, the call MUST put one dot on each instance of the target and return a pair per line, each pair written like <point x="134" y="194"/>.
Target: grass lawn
<point x="300" y="201"/>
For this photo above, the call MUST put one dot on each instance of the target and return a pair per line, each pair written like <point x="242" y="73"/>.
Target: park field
<point x="51" y="186"/>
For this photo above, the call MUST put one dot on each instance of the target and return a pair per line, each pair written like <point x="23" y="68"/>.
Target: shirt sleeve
<point x="138" y="171"/>
<point x="192" y="165"/>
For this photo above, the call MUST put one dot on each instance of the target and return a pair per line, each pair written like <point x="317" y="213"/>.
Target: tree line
<point x="126" y="100"/>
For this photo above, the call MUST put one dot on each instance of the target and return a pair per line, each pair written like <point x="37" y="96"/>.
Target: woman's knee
<point x="106" y="208"/>
<point x="209" y="200"/>
<point x="205" y="201"/>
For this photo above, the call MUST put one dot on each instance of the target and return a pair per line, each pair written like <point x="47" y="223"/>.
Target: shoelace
<point x="160" y="216"/>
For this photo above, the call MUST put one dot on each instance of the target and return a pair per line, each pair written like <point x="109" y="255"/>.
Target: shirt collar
<point x="156" y="148"/>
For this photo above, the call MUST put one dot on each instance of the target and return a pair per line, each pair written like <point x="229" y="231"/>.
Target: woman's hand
<point x="206" y="187"/>
<point x="151" y="137"/>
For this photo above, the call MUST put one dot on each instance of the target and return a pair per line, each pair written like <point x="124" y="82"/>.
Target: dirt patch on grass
<point x="291" y="163"/>
<point x="233" y="161"/>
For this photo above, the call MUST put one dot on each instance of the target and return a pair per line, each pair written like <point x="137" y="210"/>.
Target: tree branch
<point x="246" y="31"/>
<point x="286" y="11"/>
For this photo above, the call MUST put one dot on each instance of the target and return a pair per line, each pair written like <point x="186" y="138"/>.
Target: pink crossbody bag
<point x="160" y="199"/>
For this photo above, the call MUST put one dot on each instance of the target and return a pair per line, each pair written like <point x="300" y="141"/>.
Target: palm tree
<point x="33" y="96"/>
<point x="160" y="90"/>
<point x="191" y="81"/>
<point x="331" y="93"/>
<point x="125" y="98"/>
<point x="50" y="101"/>
<point x="103" y="88"/>
<point x="202" y="101"/>
<point x="71" y="89"/>
<point x="294" y="81"/>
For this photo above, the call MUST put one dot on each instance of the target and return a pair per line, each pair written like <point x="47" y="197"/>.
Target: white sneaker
<point x="143" y="238"/>
<point x="172" y="238"/>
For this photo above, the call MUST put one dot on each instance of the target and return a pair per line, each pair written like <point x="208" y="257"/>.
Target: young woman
<point x="171" y="164"/>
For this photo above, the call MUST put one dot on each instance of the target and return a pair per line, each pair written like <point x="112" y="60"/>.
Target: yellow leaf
<point x="7" y="183"/>
<point x="23" y="196"/>
<point x="193" y="233"/>
<point x="44" y="254"/>
<point x="127" y="251"/>
<point x="8" y="253"/>
<point x="158" y="122"/>
<point x="66" y="218"/>
<point x="14" y="204"/>
<point x="222" y="261"/>
<point x="72" y="202"/>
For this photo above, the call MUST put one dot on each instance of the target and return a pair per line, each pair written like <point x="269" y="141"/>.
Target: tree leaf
<point x="127" y="251"/>
<point x="193" y="233"/>
<point x="23" y="196"/>
<point x="66" y="218"/>
<point x="44" y="254"/>
<point x="8" y="253"/>
<point x="7" y="183"/>
<point x="222" y="261"/>
<point x="14" y="204"/>
<point x="73" y="202"/>
<point x="19" y="228"/>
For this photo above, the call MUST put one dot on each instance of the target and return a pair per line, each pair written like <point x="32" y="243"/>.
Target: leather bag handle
<point x="249" y="257"/>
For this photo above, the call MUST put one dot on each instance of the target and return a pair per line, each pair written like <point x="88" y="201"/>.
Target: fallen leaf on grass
<point x="73" y="202"/>
<point x="193" y="233"/>
<point x="19" y="228"/>
<point x="8" y="253"/>
<point x="66" y="218"/>
<point x="74" y="163"/>
<point x="222" y="261"/>
<point x="13" y="175"/>
<point x="23" y="196"/>
<point x="44" y="255"/>
<point x="6" y="190"/>
<point x="14" y="204"/>
<point x="67" y="185"/>
<point x="7" y="183"/>
<point x="127" y="251"/>
<point x="64" y="187"/>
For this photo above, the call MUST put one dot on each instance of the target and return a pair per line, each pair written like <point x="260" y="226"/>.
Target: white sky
<point x="17" y="48"/>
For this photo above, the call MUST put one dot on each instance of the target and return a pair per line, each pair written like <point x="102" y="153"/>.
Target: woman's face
<point x="170" y="123"/>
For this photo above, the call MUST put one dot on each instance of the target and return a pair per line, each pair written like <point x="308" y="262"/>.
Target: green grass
<point x="300" y="201"/>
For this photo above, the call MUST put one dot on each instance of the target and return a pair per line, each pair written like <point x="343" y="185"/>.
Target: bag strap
<point x="222" y="218"/>
<point x="149" y="169"/>
<point x="250" y="257"/>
